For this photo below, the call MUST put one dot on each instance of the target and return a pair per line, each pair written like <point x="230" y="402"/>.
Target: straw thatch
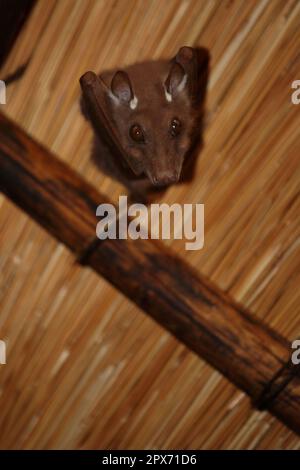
<point x="85" y="368"/>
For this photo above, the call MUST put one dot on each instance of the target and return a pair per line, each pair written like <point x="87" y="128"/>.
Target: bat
<point x="146" y="118"/>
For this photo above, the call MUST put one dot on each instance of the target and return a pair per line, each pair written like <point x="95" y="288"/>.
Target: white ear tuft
<point x="133" y="103"/>
<point x="168" y="95"/>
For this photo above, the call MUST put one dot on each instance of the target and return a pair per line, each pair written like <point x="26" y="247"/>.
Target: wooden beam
<point x="251" y="355"/>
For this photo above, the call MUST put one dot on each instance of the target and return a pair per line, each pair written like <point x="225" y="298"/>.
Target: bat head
<point x="151" y="109"/>
<point x="151" y="105"/>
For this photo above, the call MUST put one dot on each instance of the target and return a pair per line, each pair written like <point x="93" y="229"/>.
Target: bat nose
<point x="164" y="179"/>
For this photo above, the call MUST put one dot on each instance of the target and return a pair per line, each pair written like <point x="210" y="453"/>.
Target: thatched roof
<point x="85" y="367"/>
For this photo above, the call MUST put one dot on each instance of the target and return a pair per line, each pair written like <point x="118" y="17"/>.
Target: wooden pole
<point x="251" y="355"/>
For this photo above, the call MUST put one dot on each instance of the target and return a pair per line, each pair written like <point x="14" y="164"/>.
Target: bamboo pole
<point x="251" y="355"/>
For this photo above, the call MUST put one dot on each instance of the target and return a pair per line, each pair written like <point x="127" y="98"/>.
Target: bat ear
<point x="195" y="62"/>
<point x="176" y="81"/>
<point x="121" y="87"/>
<point x="185" y="55"/>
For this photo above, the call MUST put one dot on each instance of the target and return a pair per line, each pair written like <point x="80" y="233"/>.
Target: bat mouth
<point x="163" y="180"/>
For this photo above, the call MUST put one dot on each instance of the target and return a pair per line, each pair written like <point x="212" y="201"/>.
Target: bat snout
<point x="164" y="179"/>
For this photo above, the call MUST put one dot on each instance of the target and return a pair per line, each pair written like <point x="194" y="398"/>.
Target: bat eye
<point x="136" y="133"/>
<point x="175" y="127"/>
